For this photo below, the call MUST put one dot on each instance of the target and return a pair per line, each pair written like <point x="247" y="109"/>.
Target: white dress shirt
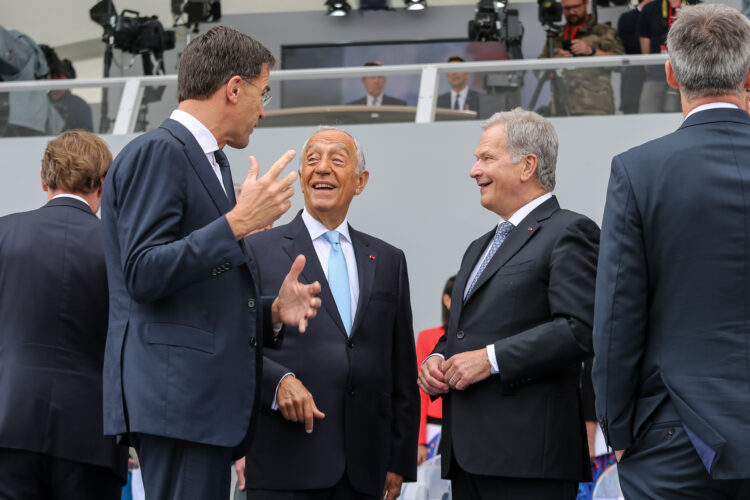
<point x="205" y="138"/>
<point x="69" y="195"/>
<point x="461" y="98"/>
<point x="711" y="105"/>
<point x="375" y="100"/>
<point x="323" y="249"/>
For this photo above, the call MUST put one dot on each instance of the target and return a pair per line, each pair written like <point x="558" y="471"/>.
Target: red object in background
<point x="426" y="341"/>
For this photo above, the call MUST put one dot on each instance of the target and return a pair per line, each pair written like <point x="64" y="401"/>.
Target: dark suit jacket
<point x="472" y="101"/>
<point x="53" y="312"/>
<point x="534" y="302"/>
<point x="365" y="384"/>
<point x="672" y="317"/>
<point x="387" y="101"/>
<point x="184" y="310"/>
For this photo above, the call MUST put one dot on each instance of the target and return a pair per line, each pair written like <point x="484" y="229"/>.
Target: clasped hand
<point x="437" y="375"/>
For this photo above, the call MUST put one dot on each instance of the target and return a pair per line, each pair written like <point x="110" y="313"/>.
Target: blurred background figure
<point x="632" y="76"/>
<point x="374" y="86"/>
<point x="75" y="112"/>
<point x="431" y="415"/>
<point x="460" y="97"/>
<point x="24" y="113"/>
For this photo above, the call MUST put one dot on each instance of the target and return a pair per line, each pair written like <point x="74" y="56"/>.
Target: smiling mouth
<point x="323" y="186"/>
<point x="483" y="184"/>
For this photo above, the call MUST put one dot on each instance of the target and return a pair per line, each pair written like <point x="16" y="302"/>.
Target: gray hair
<point x="526" y="133"/>
<point x="709" y="50"/>
<point x="211" y="59"/>
<point x="360" y="154"/>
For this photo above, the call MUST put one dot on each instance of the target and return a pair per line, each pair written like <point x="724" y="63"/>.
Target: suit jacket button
<point x="350" y="343"/>
<point x="460" y="334"/>
<point x="253" y="342"/>
<point x="251" y="303"/>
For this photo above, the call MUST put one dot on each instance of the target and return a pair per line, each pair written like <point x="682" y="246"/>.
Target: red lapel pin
<point x="372" y="257"/>
<point x="531" y="228"/>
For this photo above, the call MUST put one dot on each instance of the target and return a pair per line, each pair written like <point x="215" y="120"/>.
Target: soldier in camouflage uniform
<point x="589" y="91"/>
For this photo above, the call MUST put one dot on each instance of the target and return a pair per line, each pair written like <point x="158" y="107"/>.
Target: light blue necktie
<point x="503" y="229"/>
<point x="338" y="280"/>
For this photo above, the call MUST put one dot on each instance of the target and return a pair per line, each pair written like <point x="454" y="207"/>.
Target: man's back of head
<point x="709" y="51"/>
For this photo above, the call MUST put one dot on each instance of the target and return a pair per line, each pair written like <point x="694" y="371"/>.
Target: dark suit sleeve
<point x="621" y="310"/>
<point x="151" y="205"/>
<point x="271" y="339"/>
<point x="405" y="395"/>
<point x="553" y="346"/>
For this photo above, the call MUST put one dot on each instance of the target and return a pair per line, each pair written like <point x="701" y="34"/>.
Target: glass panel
<point x="156" y="104"/>
<point x="49" y="112"/>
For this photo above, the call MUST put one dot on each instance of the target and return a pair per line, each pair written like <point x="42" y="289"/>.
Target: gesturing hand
<point x="392" y="487"/>
<point x="262" y="200"/>
<point x="296" y="302"/>
<point x="296" y="403"/>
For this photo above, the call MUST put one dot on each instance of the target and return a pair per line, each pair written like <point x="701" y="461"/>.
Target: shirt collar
<point x="317" y="229"/>
<point x="205" y="138"/>
<point x="525" y="210"/>
<point x="69" y="195"/>
<point x="462" y="93"/>
<point x="711" y="105"/>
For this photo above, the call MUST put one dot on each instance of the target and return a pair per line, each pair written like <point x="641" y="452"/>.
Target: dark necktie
<point x="226" y="175"/>
<point x="455" y="104"/>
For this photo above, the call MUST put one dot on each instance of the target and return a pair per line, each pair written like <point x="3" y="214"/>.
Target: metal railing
<point x="429" y="74"/>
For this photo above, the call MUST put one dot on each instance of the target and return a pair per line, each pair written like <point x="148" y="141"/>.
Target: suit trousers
<point x="340" y="491"/>
<point x="26" y="475"/>
<point x="174" y="469"/>
<point x="467" y="486"/>
<point x="663" y="464"/>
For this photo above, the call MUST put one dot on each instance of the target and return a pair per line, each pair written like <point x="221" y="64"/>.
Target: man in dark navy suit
<point x="340" y="409"/>
<point x="187" y="323"/>
<point x="672" y="322"/>
<point x="53" y="327"/>
<point x="509" y="364"/>
<point x="374" y="88"/>
<point x="460" y="97"/>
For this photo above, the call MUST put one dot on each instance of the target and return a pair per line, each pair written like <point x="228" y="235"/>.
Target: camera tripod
<point x="559" y="101"/>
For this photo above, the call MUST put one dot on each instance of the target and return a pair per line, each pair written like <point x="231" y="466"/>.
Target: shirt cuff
<point x="275" y="403"/>
<point x="276" y="327"/>
<point x="431" y="355"/>
<point x="494" y="370"/>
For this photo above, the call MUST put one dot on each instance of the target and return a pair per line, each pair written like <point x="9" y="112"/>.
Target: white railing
<point x="132" y="87"/>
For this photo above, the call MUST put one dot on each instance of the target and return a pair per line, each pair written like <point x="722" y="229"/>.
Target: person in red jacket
<point x="431" y="410"/>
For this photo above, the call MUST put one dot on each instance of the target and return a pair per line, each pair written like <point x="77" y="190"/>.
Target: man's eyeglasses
<point x="573" y="7"/>
<point x="265" y="97"/>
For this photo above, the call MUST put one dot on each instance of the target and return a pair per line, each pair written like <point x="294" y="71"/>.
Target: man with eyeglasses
<point x="186" y="321"/>
<point x="583" y="91"/>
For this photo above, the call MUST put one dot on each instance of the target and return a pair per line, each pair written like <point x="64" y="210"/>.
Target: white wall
<point x="420" y="197"/>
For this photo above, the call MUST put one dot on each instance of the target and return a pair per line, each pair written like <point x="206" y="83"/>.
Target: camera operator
<point x="589" y="91"/>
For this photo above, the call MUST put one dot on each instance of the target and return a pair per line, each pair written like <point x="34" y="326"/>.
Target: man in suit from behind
<point x="522" y="308"/>
<point x="460" y="97"/>
<point x="53" y="312"/>
<point x="672" y="323"/>
<point x="374" y="87"/>
<point x="187" y="324"/>
<point x="340" y="409"/>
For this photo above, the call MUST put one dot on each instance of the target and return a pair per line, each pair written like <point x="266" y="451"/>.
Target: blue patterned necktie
<point x="226" y="175"/>
<point x="338" y="280"/>
<point x="503" y="229"/>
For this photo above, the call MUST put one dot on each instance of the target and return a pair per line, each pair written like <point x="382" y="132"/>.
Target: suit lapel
<point x="517" y="238"/>
<point x="200" y="164"/>
<point x="366" y="264"/>
<point x="297" y="241"/>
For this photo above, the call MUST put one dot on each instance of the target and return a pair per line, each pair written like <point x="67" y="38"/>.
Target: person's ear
<point x="671" y="78"/>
